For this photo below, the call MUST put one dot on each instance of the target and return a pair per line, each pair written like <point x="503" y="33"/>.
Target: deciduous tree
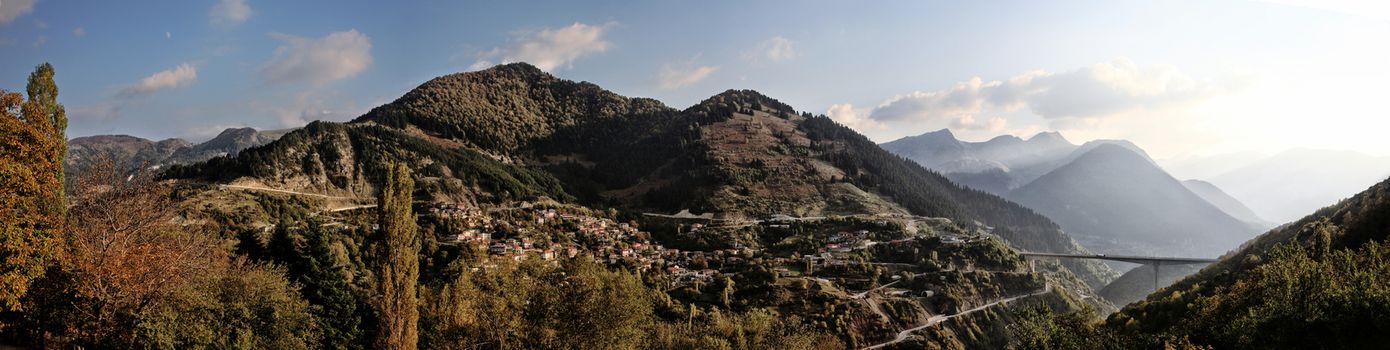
<point x="32" y="144"/>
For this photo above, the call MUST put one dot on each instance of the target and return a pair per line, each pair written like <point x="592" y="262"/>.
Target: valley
<point x="694" y="175"/>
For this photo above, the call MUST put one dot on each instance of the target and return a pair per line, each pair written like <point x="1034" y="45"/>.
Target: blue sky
<point x="1178" y="78"/>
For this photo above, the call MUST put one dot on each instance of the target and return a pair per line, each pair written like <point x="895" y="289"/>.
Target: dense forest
<point x="1317" y="283"/>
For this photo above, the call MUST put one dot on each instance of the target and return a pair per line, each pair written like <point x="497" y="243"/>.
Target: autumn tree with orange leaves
<point x="32" y="204"/>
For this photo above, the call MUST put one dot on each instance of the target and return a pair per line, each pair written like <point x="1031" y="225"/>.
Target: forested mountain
<point x="787" y="193"/>
<point x="1317" y="283"/>
<point x="514" y="132"/>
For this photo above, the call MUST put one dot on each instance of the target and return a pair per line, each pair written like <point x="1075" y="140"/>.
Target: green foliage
<point x="756" y="329"/>
<point x="505" y="108"/>
<point x="354" y="154"/>
<point x="338" y="308"/>
<point x="1316" y="283"/>
<point x="579" y="305"/>
<point x="250" y="307"/>
<point x="397" y="263"/>
<point x="1038" y="328"/>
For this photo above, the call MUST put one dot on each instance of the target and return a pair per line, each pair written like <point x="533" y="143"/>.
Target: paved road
<point x="934" y="320"/>
<point x="355" y="207"/>
<point x="864" y="293"/>
<point x="324" y="196"/>
<point x="267" y="189"/>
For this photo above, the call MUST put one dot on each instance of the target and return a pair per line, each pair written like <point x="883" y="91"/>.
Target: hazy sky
<point x="1176" y="77"/>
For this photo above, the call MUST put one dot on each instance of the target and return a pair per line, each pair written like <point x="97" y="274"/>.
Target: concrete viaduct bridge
<point x="1142" y="260"/>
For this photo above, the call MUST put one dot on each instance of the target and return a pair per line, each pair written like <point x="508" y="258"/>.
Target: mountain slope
<point x="514" y="132"/>
<point x="1226" y="203"/>
<point x="229" y="141"/>
<point x="1288" y="185"/>
<point x="1114" y="198"/>
<point x="130" y="151"/>
<point x="1315" y="283"/>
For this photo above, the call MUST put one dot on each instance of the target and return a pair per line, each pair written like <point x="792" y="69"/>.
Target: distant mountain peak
<point x="944" y="132"/>
<point x="1049" y="137"/>
<point x="1006" y="138"/>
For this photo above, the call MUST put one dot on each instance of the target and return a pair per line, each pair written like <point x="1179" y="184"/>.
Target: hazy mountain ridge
<point x="1077" y="205"/>
<point x="130" y="151"/>
<point x="1285" y="186"/>
<point x="1229" y="205"/>
<point x="1112" y="193"/>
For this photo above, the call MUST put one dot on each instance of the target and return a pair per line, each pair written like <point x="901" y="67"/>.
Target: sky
<point x="1179" y="78"/>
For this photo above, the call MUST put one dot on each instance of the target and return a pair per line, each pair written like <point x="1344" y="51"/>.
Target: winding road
<point x="324" y="196"/>
<point x="934" y="320"/>
<point x="865" y="293"/>
<point x="267" y="189"/>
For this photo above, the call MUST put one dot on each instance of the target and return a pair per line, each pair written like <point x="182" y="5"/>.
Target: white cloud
<point x="847" y="115"/>
<point x="168" y="35"/>
<point x="480" y="65"/>
<point x="1101" y="91"/>
<point x="775" y="49"/>
<point x="338" y="56"/>
<point x="42" y="39"/>
<point x="229" y="13"/>
<point x="79" y="32"/>
<point x="313" y="105"/>
<point x="682" y="74"/>
<point x="548" y="48"/>
<point x="994" y="124"/>
<point x="181" y="76"/>
<point x="11" y="9"/>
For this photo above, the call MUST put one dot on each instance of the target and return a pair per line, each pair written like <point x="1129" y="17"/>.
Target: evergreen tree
<point x="325" y="286"/>
<point x="44" y="92"/>
<point x="398" y="267"/>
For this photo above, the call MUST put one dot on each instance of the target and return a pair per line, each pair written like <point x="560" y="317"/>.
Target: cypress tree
<point x="398" y="268"/>
<point x="43" y="91"/>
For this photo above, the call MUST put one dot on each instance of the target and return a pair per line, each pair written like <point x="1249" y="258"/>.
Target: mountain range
<point x="512" y="135"/>
<point x="515" y="132"/>
<point x="1108" y="194"/>
<point x="1290" y="184"/>
<point x="130" y="151"/>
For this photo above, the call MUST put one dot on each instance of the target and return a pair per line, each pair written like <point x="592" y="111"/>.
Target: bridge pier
<point x="1155" y="265"/>
<point x="1154" y="261"/>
